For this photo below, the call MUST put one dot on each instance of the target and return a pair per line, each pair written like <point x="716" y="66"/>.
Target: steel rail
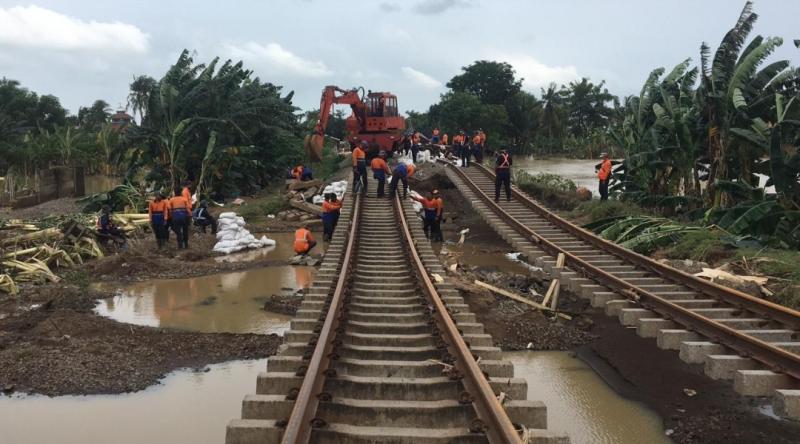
<point x="776" y="358"/>
<point x="499" y="428"/>
<point x="299" y="425"/>
<point x="784" y="315"/>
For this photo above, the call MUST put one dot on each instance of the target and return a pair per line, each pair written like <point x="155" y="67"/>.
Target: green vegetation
<point x="567" y="120"/>
<point x="741" y="120"/>
<point x="256" y="210"/>
<point x="595" y="210"/>
<point x="700" y="245"/>
<point x="553" y="190"/>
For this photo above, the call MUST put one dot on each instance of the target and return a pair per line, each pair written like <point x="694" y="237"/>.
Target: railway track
<point x="735" y="336"/>
<point x="378" y="352"/>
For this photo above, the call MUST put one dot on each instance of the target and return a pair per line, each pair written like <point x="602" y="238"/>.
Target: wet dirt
<point x="188" y="406"/>
<point x="62" y="348"/>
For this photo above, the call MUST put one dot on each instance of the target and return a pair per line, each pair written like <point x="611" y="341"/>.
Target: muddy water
<point x="229" y="302"/>
<point x="580" y="404"/>
<point x="581" y="171"/>
<point x="189" y="407"/>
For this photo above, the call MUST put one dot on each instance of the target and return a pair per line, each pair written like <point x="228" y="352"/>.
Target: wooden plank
<point x="305" y="206"/>
<point x="550" y="291"/>
<point x="556" y="291"/>
<point x="518" y="298"/>
<point x="560" y="261"/>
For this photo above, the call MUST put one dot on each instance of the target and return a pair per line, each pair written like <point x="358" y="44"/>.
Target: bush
<point x="555" y="191"/>
<point x="701" y="245"/>
<point x="259" y="210"/>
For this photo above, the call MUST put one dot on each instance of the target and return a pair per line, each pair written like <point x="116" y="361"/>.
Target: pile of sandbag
<point x="338" y="188"/>
<point x="232" y="236"/>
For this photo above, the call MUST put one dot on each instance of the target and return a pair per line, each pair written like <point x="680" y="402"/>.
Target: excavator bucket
<point x="313" y="145"/>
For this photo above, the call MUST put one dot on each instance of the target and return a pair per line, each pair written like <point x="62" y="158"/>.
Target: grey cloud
<point x="389" y="7"/>
<point x="432" y="7"/>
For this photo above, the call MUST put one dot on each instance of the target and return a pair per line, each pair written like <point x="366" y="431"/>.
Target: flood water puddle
<point x="580" y="404"/>
<point x="227" y="302"/>
<point x="189" y="407"/>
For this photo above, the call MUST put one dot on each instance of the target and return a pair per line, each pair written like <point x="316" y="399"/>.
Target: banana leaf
<point x="748" y="222"/>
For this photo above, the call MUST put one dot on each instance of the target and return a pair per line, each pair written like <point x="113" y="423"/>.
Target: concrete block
<point x="786" y="404"/>
<point x="542" y="436"/>
<point x="649" y="327"/>
<point x="614" y="307"/>
<point x="630" y="316"/>
<point x="531" y="413"/>
<point x="726" y="366"/>
<point x="601" y="298"/>
<point x="252" y="431"/>
<point x="695" y="352"/>
<point x="762" y="382"/>
<point x="670" y="339"/>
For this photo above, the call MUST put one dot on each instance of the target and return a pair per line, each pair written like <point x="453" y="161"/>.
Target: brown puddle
<point x="477" y="255"/>
<point x="189" y="407"/>
<point x="580" y="404"/>
<point x="228" y="302"/>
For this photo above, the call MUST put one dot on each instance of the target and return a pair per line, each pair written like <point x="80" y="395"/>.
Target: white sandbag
<point x="267" y="242"/>
<point x="227" y="215"/>
<point x="240" y="221"/>
<point x="318" y="200"/>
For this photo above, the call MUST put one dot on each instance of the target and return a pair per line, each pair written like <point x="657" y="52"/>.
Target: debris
<point x="517" y="298"/>
<point x="723" y="277"/>
<point x="453" y="267"/>
<point x="463" y="234"/>
<point x="437" y="278"/>
<point x="689" y="392"/>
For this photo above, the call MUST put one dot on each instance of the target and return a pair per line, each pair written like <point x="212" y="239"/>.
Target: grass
<point x="703" y="245"/>
<point x="594" y="210"/>
<point x="79" y="278"/>
<point x="259" y="209"/>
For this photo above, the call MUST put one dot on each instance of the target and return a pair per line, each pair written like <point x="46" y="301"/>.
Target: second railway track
<point x="737" y="337"/>
<point x="378" y="352"/>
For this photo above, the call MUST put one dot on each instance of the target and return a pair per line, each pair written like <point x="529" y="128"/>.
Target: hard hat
<point x="382" y="153"/>
<point x="435" y="192"/>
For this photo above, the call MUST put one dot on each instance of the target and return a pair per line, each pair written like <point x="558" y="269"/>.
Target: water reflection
<point x="228" y="302"/>
<point x="189" y="407"/>
<point x="580" y="404"/>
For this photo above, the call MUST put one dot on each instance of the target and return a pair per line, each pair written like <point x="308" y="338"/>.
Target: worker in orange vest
<point x="379" y="171"/>
<point x="158" y="211"/>
<point x="432" y="207"/>
<point x="477" y="147"/>
<point x="180" y="215"/>
<point x="331" y="208"/>
<point x="297" y="172"/>
<point x="186" y="192"/>
<point x="401" y="173"/>
<point x="604" y="174"/>
<point x="502" y="174"/>
<point x="303" y="240"/>
<point x="445" y="139"/>
<point x="435" y="136"/>
<point x="360" y="167"/>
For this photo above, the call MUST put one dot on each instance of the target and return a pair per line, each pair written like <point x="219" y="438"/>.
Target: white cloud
<point x="537" y="74"/>
<point x="421" y="78"/>
<point x="36" y="27"/>
<point x="277" y="60"/>
<point x="433" y="7"/>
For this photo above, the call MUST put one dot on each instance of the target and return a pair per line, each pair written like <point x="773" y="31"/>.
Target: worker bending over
<point x="360" y="167"/>
<point x="303" y="240"/>
<point x="331" y="208"/>
<point x="202" y="218"/>
<point x="180" y="214"/>
<point x="158" y="211"/>
<point x="401" y="173"/>
<point x="379" y="171"/>
<point x="604" y="174"/>
<point x="502" y="171"/>
<point x="432" y="206"/>
<point x="106" y="226"/>
<point x="415" y="145"/>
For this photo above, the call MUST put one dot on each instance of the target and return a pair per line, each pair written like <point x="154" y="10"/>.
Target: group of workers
<point x="176" y="213"/>
<point x="380" y="169"/>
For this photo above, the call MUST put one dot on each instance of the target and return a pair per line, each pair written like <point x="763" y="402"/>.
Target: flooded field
<point x="188" y="407"/>
<point x="580" y="404"/>
<point x="580" y="171"/>
<point x="229" y="302"/>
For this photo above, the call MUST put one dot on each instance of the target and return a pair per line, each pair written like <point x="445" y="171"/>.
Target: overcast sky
<point x="82" y="50"/>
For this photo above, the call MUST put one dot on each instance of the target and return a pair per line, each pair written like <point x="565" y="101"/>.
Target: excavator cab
<point x="381" y="105"/>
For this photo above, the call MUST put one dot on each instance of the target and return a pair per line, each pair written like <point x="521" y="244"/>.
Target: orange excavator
<point x="375" y="119"/>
